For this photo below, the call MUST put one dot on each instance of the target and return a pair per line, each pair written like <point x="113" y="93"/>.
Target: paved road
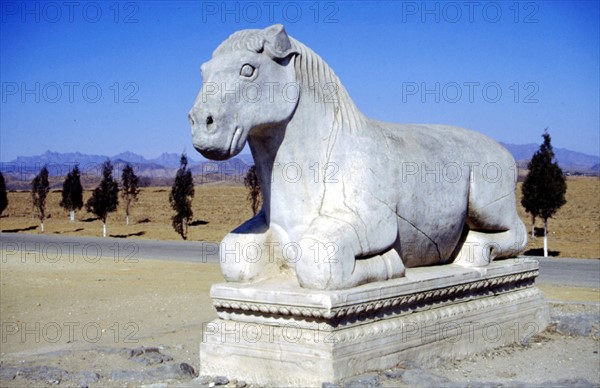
<point x="49" y="247"/>
<point x="569" y="272"/>
<point x="563" y="271"/>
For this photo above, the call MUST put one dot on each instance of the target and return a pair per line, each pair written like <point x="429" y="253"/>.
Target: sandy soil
<point x="79" y="316"/>
<point x="217" y="211"/>
<point x="547" y="357"/>
<point x="55" y="313"/>
<point x="574" y="231"/>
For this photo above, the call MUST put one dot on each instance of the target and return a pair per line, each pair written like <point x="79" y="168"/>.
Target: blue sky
<point x="105" y="77"/>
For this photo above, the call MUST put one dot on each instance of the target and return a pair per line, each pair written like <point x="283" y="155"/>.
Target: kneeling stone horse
<point x="346" y="199"/>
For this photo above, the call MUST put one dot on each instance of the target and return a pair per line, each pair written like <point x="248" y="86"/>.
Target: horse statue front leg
<point x="328" y="258"/>
<point x="243" y="253"/>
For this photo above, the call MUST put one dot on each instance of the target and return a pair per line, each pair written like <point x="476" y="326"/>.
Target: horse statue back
<point x="346" y="199"/>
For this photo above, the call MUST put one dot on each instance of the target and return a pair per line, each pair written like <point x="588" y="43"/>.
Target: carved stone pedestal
<point x="275" y="332"/>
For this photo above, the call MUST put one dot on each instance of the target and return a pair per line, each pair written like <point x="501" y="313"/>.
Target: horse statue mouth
<point x="213" y="154"/>
<point x="218" y="152"/>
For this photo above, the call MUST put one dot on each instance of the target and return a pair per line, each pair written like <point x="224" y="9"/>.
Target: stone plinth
<point x="275" y="332"/>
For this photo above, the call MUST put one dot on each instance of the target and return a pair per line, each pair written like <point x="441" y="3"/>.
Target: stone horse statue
<point x="346" y="199"/>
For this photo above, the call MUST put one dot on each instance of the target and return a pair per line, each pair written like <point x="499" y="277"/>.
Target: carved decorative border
<point x="393" y="305"/>
<point x="431" y="317"/>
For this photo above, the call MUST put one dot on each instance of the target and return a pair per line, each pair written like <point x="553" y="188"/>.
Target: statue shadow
<point x="20" y="229"/>
<point x="141" y="233"/>
<point x="198" y="222"/>
<point x="540" y="252"/>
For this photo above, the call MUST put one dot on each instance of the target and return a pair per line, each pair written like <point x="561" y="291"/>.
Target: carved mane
<point x="317" y="80"/>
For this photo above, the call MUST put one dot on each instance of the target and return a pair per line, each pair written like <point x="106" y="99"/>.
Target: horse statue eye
<point x="247" y="70"/>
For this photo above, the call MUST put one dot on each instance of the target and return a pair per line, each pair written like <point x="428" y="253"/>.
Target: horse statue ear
<point x="277" y="42"/>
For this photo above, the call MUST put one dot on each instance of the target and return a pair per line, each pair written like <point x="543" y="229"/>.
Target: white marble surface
<point x="347" y="200"/>
<point x="456" y="317"/>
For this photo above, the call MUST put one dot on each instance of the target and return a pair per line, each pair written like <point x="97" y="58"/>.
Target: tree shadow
<point x="198" y="222"/>
<point x="144" y="221"/>
<point x="20" y="230"/>
<point x="128" y="235"/>
<point x="90" y="219"/>
<point x="70" y="231"/>
<point x="540" y="252"/>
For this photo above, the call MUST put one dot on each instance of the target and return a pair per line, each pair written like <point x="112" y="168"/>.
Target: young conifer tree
<point x="72" y="193"/>
<point x="544" y="187"/>
<point x="105" y="198"/>
<point x="252" y="183"/>
<point x="3" y="195"/>
<point x="39" y="191"/>
<point x="181" y="197"/>
<point x="130" y="184"/>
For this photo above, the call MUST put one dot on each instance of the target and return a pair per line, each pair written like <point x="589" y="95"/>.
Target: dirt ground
<point x="57" y="313"/>
<point x="575" y="229"/>
<point x="573" y="232"/>
<point x="548" y="359"/>
<point x="217" y="210"/>
<point x="78" y="316"/>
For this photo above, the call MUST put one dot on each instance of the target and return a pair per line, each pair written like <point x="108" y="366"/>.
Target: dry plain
<point x="573" y="232"/>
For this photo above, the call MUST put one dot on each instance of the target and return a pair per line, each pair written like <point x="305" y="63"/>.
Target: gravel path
<point x="566" y="354"/>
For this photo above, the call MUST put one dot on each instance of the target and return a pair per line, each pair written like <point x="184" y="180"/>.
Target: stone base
<point x="276" y="333"/>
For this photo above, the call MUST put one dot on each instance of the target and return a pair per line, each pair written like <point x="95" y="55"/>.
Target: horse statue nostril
<point x="191" y="119"/>
<point x="209" y="120"/>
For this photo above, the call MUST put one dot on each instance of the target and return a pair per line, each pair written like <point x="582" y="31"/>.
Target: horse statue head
<point x="254" y="82"/>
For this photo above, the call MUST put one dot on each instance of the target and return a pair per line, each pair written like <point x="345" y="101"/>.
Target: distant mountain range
<point x="153" y="172"/>
<point x="70" y="158"/>
<point x="165" y="166"/>
<point x="568" y="160"/>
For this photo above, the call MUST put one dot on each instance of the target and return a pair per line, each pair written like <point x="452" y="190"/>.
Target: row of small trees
<point x="104" y="199"/>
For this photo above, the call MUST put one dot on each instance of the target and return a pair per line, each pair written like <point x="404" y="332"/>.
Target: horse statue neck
<point x="322" y="90"/>
<point x="325" y="112"/>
